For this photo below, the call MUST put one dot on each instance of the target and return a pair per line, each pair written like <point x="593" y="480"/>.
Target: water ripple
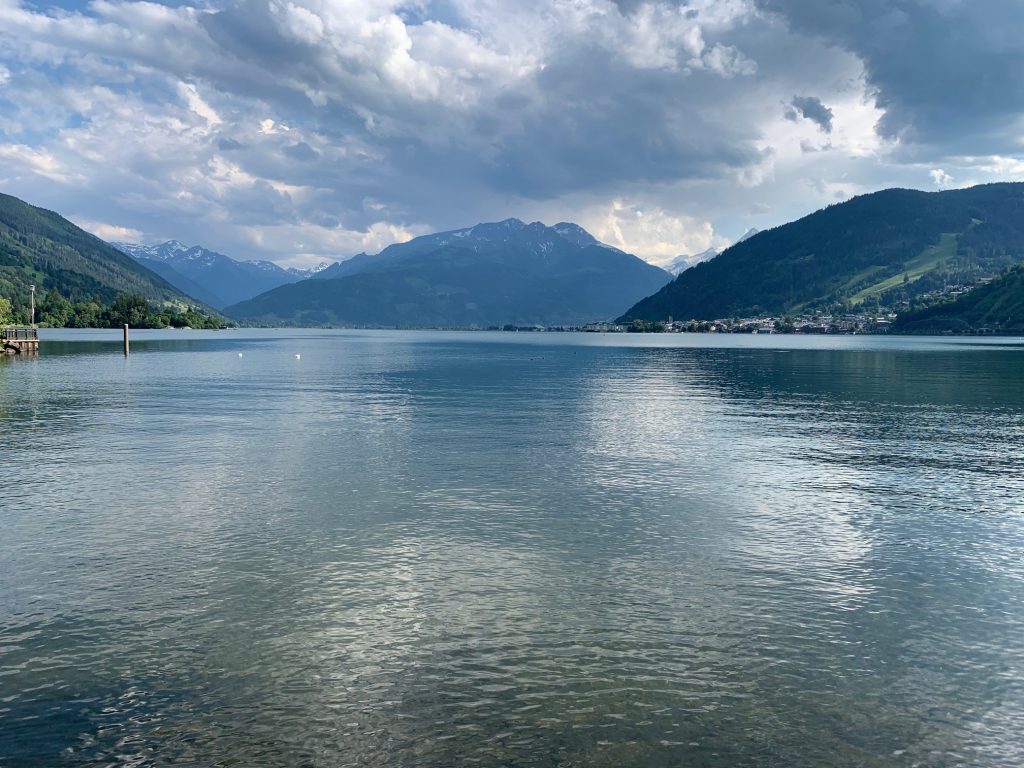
<point x="512" y="549"/>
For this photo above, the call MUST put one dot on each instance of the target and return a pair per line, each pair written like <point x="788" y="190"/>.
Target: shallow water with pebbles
<point x="435" y="549"/>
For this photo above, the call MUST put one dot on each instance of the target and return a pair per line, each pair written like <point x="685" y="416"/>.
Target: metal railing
<point x="20" y="334"/>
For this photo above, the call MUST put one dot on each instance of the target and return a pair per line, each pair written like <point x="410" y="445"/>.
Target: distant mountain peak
<point x="222" y="279"/>
<point x="309" y="271"/>
<point x="492" y="273"/>
<point x="684" y="261"/>
<point x="498" y="230"/>
<point x="574" y="233"/>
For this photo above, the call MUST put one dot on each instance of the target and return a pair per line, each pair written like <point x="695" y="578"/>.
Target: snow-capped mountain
<point x="164" y="252"/>
<point x="212" y="277"/>
<point x="685" y="261"/>
<point x="682" y="263"/>
<point x="302" y="274"/>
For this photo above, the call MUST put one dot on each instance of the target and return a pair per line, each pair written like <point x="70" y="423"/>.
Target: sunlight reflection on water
<point x="512" y="549"/>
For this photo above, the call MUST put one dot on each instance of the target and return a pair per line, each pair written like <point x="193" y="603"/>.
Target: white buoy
<point x="239" y="354"/>
<point x="298" y="356"/>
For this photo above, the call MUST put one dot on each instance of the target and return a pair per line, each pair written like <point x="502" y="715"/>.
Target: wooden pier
<point x="19" y="341"/>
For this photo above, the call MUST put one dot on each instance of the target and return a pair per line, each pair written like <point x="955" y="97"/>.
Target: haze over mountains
<point x="507" y="272"/>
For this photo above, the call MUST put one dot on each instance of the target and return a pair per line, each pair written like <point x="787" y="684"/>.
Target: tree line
<point x="55" y="311"/>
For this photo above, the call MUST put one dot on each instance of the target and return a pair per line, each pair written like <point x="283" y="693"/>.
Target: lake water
<point x="443" y="549"/>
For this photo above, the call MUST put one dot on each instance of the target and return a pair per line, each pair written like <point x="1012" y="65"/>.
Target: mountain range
<point x="894" y="247"/>
<point x="876" y="248"/>
<point x="506" y="272"/>
<point x="39" y="247"/>
<point x="212" y="277"/>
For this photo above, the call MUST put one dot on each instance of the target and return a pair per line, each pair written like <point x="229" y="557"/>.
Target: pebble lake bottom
<point x="501" y="549"/>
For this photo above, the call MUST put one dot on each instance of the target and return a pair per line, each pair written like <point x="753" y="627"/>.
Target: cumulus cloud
<point x="302" y="129"/>
<point x="940" y="178"/>
<point x="659" y="234"/>
<point x="1010" y="168"/>
<point x="109" y="232"/>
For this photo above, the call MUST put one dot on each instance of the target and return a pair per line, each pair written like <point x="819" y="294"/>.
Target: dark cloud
<point x="947" y="74"/>
<point x="811" y="108"/>
<point x="288" y="127"/>
<point x="598" y="123"/>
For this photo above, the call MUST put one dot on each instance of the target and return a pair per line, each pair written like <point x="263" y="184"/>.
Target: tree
<point x="87" y="314"/>
<point x="6" y="311"/>
<point x="128" y="309"/>
<point x="54" y="310"/>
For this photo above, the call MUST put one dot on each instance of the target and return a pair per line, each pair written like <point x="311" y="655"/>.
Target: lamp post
<point x="32" y="301"/>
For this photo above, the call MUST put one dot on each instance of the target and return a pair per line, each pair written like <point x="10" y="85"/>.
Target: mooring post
<point x="126" y="339"/>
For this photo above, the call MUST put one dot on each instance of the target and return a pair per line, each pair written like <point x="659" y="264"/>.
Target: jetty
<point x="19" y="341"/>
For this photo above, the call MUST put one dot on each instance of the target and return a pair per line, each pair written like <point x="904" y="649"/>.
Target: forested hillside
<point x="38" y="247"/>
<point x="884" y="247"/>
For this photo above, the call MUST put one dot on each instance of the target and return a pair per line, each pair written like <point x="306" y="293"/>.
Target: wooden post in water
<point x="126" y="339"/>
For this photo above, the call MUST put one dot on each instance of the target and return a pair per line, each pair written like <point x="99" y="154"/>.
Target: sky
<point x="309" y="130"/>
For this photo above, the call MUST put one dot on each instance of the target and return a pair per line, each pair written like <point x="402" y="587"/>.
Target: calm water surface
<point x="441" y="549"/>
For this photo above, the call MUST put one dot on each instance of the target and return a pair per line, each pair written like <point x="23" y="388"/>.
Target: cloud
<point x="197" y="105"/>
<point x="660" y="235"/>
<point x="109" y="232"/>
<point x="946" y="74"/>
<point x="20" y="159"/>
<point x="940" y="178"/>
<point x="295" y="129"/>
<point x="811" y="108"/>
<point x="1011" y="168"/>
<point x="308" y="245"/>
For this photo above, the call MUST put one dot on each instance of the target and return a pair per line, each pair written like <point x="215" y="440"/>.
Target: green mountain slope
<point x="41" y="248"/>
<point x="870" y="248"/>
<point x="491" y="274"/>
<point x="997" y="307"/>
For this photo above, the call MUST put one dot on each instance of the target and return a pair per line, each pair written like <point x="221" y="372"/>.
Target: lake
<point x="512" y="549"/>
